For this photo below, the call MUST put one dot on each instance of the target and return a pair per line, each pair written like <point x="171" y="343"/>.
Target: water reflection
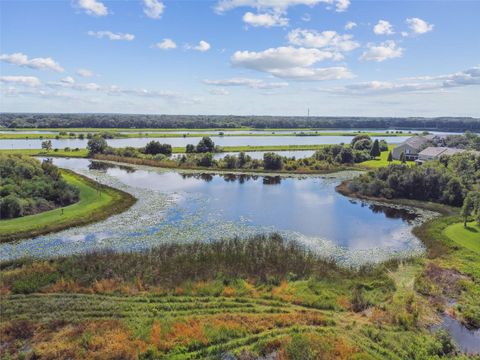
<point x="176" y="206"/>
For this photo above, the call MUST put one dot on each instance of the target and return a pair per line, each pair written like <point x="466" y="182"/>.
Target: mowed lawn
<point x="96" y="202"/>
<point x="468" y="237"/>
<point x="382" y="160"/>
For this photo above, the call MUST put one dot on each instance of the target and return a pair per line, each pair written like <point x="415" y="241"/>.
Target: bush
<point x="154" y="148"/>
<point x="272" y="161"/>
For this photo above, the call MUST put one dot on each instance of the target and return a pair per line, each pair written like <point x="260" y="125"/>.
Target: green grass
<point x="97" y="202"/>
<point x="81" y="153"/>
<point x="468" y="237"/>
<point x="382" y="161"/>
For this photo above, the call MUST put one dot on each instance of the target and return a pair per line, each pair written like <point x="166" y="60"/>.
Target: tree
<point x="96" y="145"/>
<point x="47" y="145"/>
<point x="205" y="145"/>
<point x="154" y="148"/>
<point x="363" y="144"/>
<point x="375" y="151"/>
<point x="402" y="158"/>
<point x="471" y="207"/>
<point x="272" y="161"/>
<point x="390" y="157"/>
<point x="358" y="138"/>
<point x="190" y="148"/>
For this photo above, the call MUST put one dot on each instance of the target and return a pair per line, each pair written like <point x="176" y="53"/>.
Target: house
<point x="410" y="147"/>
<point x="431" y="153"/>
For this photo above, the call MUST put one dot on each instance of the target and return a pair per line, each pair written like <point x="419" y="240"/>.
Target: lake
<point x="182" y="142"/>
<point x="188" y="206"/>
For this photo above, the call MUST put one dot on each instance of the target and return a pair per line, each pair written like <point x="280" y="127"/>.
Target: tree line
<point x="23" y="120"/>
<point x="28" y="187"/>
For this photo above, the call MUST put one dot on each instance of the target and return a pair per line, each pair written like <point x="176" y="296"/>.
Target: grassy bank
<point x="468" y="237"/>
<point x="97" y="202"/>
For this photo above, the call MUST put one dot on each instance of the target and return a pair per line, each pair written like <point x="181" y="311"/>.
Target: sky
<point x="241" y="57"/>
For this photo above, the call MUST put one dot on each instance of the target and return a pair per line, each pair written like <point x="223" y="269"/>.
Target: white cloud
<point x="330" y="40"/>
<point x="153" y="8"/>
<point x="383" y="27"/>
<point x="93" y="7"/>
<point x="467" y="77"/>
<point x="68" y="80"/>
<point x="202" y="46"/>
<point x="112" y="36"/>
<point x="21" y="80"/>
<point x="279" y="6"/>
<point x="265" y="19"/>
<point x="219" y="91"/>
<point x="419" y="26"/>
<point x="84" y="72"/>
<point x="248" y="82"/>
<point x="350" y="25"/>
<point x="291" y="63"/>
<point x="382" y="51"/>
<point x="166" y="44"/>
<point x="35" y="63"/>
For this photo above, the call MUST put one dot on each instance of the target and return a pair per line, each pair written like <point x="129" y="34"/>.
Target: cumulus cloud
<point x="382" y="51"/>
<point x="291" y="63"/>
<point x="383" y="27"/>
<point x="202" y="46"/>
<point x="31" y="81"/>
<point x="279" y="6"/>
<point x="469" y="77"/>
<point x="350" y="25"/>
<point x="84" y="72"/>
<point x="419" y="26"/>
<point x="247" y="82"/>
<point x="153" y="8"/>
<point x="330" y="40"/>
<point x="93" y="7"/>
<point x="264" y="20"/>
<point x="111" y="35"/>
<point x="166" y="44"/>
<point x="35" y="63"/>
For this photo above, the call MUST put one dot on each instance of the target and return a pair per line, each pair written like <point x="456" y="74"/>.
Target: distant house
<point x="410" y="147"/>
<point x="432" y="153"/>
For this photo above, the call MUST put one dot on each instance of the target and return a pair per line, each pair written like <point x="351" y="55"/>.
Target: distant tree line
<point x="22" y="120"/>
<point x="28" y="187"/>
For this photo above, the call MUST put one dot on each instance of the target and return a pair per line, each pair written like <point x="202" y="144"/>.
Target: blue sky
<point x="260" y="57"/>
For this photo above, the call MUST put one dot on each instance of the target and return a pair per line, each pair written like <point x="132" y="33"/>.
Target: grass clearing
<point x="97" y="202"/>
<point x="383" y="160"/>
<point x="468" y="237"/>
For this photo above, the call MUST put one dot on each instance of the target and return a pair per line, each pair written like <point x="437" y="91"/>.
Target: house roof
<point x="432" y="151"/>
<point x="438" y="151"/>
<point x="415" y="142"/>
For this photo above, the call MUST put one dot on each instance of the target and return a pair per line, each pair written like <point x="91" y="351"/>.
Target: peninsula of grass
<point x="468" y="237"/>
<point x="97" y="202"/>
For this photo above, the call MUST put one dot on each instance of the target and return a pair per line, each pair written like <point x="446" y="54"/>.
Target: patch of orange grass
<point x="184" y="333"/>
<point x="344" y="302"/>
<point x="179" y="291"/>
<point x="285" y="293"/>
<point x="65" y="286"/>
<point x="228" y="291"/>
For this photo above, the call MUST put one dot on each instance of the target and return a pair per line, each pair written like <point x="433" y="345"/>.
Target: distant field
<point x="96" y="203"/>
<point x="190" y="133"/>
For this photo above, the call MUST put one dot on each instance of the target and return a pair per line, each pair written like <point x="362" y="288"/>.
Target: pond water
<point x="468" y="341"/>
<point x="181" y="142"/>
<point x="176" y="206"/>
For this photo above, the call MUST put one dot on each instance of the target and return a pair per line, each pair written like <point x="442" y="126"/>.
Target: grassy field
<point x="97" y="202"/>
<point x="13" y="135"/>
<point x="468" y="237"/>
<point x="383" y="160"/>
<point x="281" y="301"/>
<point x="175" y="150"/>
